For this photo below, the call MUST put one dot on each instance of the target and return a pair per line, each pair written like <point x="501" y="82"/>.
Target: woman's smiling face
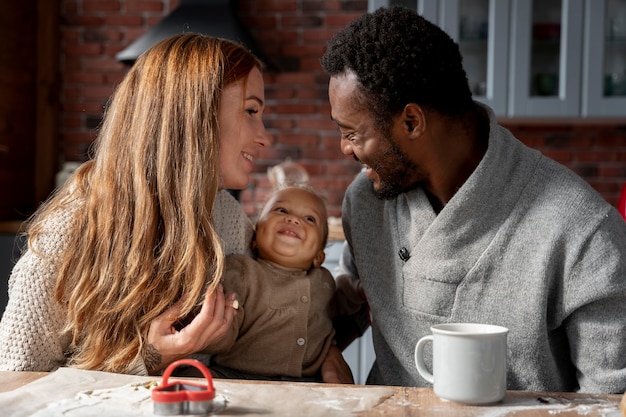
<point x="242" y="131"/>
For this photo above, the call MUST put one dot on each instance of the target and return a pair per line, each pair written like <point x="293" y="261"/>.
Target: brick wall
<point x="293" y="34"/>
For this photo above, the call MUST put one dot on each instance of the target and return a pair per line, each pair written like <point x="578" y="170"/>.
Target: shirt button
<point x="300" y="341"/>
<point x="304" y="299"/>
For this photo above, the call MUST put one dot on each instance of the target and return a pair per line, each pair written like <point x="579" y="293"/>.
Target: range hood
<point x="210" y="17"/>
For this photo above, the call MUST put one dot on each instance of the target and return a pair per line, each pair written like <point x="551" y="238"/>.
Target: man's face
<point x="386" y="164"/>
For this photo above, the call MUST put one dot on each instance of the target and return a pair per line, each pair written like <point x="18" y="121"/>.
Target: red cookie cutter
<point x="184" y="397"/>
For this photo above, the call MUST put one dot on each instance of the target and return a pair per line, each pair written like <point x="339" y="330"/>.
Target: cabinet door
<point x="604" y="70"/>
<point x="481" y="29"/>
<point x="546" y="58"/>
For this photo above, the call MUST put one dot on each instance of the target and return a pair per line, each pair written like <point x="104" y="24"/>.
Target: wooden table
<point x="410" y="401"/>
<point x="13" y="380"/>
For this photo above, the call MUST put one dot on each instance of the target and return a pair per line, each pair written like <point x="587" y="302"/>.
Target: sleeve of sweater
<point x="30" y="330"/>
<point x="595" y="302"/>
<point x="349" y="296"/>
<point x="355" y="318"/>
<point x="31" y="337"/>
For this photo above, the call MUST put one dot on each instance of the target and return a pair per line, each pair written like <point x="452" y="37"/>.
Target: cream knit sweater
<point x="30" y="338"/>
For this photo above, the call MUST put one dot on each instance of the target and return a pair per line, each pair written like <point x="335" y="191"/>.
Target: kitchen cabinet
<point x="549" y="58"/>
<point x="545" y="58"/>
<point x="474" y="25"/>
<point x="604" y="67"/>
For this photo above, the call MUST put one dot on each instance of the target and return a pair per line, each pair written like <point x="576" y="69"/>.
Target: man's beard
<point x="394" y="168"/>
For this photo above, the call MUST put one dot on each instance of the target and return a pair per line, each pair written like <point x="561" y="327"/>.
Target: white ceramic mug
<point x="469" y="362"/>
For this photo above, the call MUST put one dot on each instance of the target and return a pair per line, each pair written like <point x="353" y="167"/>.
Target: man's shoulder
<point x="568" y="194"/>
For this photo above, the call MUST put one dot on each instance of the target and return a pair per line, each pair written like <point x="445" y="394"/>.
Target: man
<point x="455" y="220"/>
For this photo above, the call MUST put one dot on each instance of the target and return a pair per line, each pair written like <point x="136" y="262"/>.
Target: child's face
<point x="290" y="230"/>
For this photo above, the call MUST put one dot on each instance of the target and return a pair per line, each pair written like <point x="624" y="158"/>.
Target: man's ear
<point x="414" y="119"/>
<point x="319" y="259"/>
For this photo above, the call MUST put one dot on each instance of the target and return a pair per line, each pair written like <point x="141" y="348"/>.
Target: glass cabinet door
<point x="546" y="58"/>
<point x="474" y="24"/>
<point x="538" y="58"/>
<point x="604" y="71"/>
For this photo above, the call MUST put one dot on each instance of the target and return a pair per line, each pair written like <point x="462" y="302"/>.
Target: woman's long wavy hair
<point x="143" y="238"/>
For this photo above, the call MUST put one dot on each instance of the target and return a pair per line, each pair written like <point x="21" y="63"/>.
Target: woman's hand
<point x="335" y="370"/>
<point x="165" y="344"/>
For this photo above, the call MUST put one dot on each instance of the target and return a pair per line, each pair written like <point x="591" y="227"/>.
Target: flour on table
<point x="128" y="400"/>
<point x="71" y="392"/>
<point x="301" y="399"/>
<point x="554" y="407"/>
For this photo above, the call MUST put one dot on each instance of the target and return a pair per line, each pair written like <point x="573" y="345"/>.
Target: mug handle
<point x="419" y="359"/>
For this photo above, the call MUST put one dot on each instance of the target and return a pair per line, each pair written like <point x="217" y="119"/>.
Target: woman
<point x="124" y="250"/>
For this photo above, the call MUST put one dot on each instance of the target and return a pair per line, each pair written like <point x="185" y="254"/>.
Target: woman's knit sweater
<point x="30" y="330"/>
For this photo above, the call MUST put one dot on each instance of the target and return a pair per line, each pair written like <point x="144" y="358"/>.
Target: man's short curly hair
<point x="399" y="58"/>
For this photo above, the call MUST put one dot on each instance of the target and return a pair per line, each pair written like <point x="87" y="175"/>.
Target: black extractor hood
<point x="210" y="17"/>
